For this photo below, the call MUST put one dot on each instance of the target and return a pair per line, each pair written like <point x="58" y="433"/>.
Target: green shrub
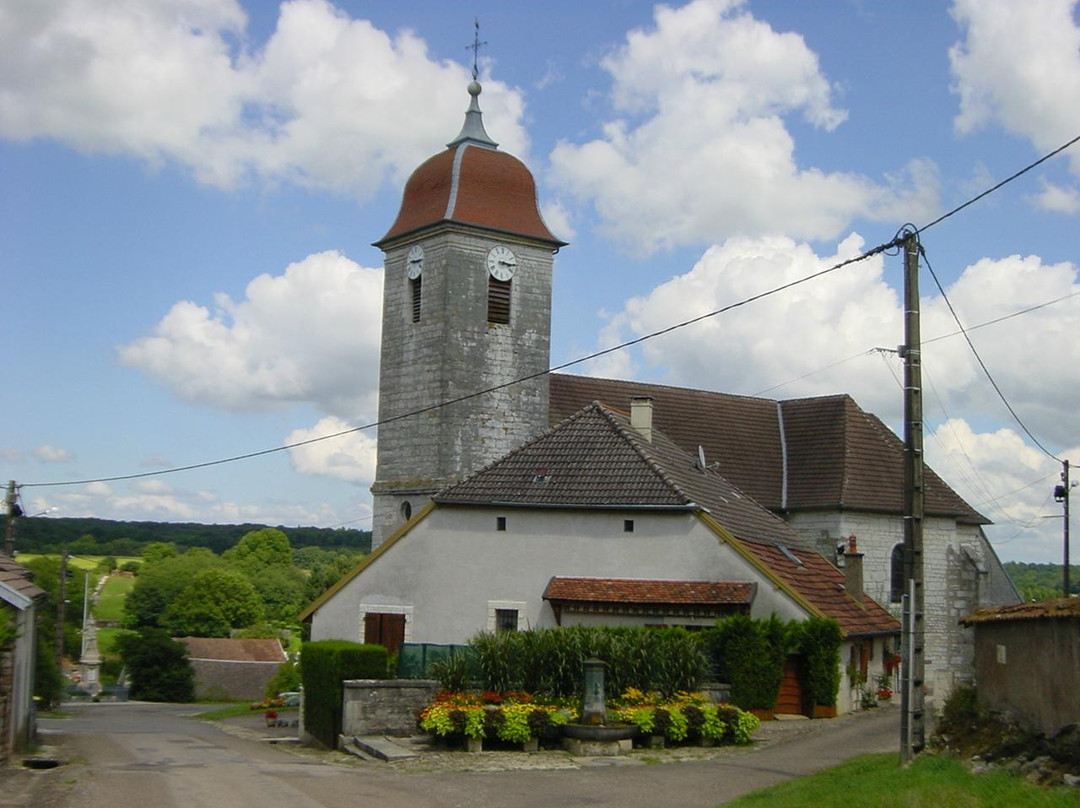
<point x="749" y="654"/>
<point x="550" y="662"/>
<point x="324" y="665"/>
<point x="819" y="641"/>
<point x="286" y="680"/>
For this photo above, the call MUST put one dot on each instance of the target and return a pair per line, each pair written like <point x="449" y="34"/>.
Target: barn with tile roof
<point x="601" y="520"/>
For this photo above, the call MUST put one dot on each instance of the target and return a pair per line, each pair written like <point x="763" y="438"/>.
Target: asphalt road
<point x="152" y="755"/>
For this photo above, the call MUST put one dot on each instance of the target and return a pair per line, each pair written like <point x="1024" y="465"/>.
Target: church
<point x="507" y="497"/>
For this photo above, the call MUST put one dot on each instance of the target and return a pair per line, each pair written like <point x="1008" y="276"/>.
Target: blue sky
<point x="190" y="190"/>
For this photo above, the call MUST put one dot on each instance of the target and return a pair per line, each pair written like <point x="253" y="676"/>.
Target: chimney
<point x="641" y="416"/>
<point x="853" y="572"/>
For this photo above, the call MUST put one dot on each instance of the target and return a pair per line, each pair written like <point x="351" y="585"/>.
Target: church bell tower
<point x="466" y="308"/>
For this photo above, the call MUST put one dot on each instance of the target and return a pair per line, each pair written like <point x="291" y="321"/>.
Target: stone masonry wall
<point x="384" y="706"/>
<point x="956" y="566"/>
<point x="452" y="352"/>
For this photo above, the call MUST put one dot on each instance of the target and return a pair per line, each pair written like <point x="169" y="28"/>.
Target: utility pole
<point x="13" y="512"/>
<point x="1061" y="494"/>
<point x="913" y="663"/>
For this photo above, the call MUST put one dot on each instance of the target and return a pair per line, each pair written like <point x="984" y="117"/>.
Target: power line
<point x="595" y="355"/>
<point x="1001" y="184"/>
<point x="979" y="359"/>
<point x="881" y="248"/>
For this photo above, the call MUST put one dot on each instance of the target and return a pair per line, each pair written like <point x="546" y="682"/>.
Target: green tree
<point x="282" y="590"/>
<point x="158" y="666"/>
<point x="158" y="550"/>
<point x="213" y="603"/>
<point x="268" y="547"/>
<point x="159" y="583"/>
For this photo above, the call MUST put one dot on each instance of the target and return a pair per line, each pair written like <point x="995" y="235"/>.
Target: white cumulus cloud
<point x="349" y="457"/>
<point x="1019" y="66"/>
<point x="700" y="149"/>
<point x="309" y="335"/>
<point x="328" y="102"/>
<point x="818" y="337"/>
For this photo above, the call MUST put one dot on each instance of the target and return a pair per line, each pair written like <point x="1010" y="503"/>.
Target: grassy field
<point x="878" y="781"/>
<point x="84" y="563"/>
<point x="110" y="604"/>
<point x="106" y="639"/>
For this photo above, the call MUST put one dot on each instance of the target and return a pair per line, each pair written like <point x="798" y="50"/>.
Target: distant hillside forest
<point x="101" y="537"/>
<point x="1042" y="581"/>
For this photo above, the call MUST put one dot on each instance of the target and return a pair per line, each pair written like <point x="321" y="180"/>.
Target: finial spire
<point x="473" y="129"/>
<point x="475" y="48"/>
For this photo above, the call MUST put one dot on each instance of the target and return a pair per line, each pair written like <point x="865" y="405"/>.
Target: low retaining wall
<point x="384" y="706"/>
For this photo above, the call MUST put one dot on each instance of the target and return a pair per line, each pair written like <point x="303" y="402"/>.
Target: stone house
<point x="1027" y="662"/>
<point x="20" y="597"/>
<point x="603" y="519"/>
<point x="232" y="670"/>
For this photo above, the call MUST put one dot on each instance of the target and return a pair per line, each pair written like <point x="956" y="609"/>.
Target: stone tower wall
<point x="452" y="352"/>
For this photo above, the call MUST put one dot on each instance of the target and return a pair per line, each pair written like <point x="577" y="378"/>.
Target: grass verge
<point x="933" y="781"/>
<point x="110" y="603"/>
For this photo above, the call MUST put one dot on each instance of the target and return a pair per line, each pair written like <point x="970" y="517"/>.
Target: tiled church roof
<point x="837" y="455"/>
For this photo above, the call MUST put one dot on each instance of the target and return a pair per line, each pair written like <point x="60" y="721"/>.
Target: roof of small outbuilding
<point x="233" y="650"/>
<point x="1056" y="608"/>
<point x="643" y="591"/>
<point x="17" y="578"/>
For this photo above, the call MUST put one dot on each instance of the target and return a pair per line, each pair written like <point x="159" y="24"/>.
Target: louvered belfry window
<point x="498" y="300"/>
<point x="417" y="285"/>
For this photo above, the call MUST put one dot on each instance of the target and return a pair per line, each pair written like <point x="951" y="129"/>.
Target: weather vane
<point x="475" y="48"/>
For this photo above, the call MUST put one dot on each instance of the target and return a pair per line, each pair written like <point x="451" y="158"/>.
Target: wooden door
<point x="790" y="699"/>
<point x="387" y="630"/>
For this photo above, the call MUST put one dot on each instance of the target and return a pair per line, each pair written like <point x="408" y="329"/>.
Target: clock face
<point x="414" y="262"/>
<point x="501" y="263"/>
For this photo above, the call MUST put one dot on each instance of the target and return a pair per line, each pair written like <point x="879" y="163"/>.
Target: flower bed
<point x="685" y="717"/>
<point x="510" y="717"/>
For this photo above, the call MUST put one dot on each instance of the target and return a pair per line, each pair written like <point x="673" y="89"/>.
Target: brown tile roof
<point x="229" y="650"/>
<point x="17" y="577"/>
<point x="837" y="455"/>
<point x="641" y="591"/>
<point x="821" y="584"/>
<point x="1047" y="609"/>
<point x="594" y="459"/>
<point x="472" y="185"/>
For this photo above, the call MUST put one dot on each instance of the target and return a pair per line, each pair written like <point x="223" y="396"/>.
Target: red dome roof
<point x="471" y="184"/>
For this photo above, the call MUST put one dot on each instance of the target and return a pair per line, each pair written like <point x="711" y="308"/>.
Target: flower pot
<point x="474" y="744"/>
<point x="823" y="711"/>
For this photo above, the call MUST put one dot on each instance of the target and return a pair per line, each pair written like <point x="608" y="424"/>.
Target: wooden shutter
<point x="498" y="300"/>
<point x="387" y="630"/>
<point x="417" y="285"/>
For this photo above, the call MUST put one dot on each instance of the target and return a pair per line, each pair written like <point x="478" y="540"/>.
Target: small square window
<point x="506" y="620"/>
<point x="628" y="525"/>
<point x="500" y="523"/>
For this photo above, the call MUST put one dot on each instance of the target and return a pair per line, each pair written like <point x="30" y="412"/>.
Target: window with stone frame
<point x="498" y="301"/>
<point x="506" y="620"/>
<point x="896" y="574"/>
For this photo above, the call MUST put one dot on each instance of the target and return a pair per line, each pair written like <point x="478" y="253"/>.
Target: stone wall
<point x="384" y="706"/>
<point x="1030" y="669"/>
<point x="232" y="681"/>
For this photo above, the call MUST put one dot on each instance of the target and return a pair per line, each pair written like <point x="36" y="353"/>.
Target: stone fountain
<point x="593" y="736"/>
